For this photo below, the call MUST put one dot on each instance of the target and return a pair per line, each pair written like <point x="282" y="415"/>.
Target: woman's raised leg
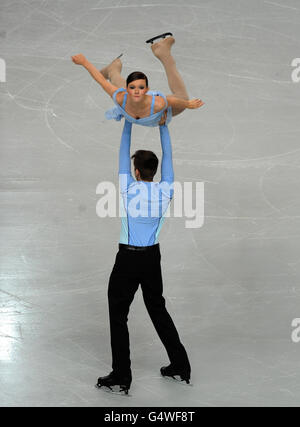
<point x="112" y="72"/>
<point x="162" y="51"/>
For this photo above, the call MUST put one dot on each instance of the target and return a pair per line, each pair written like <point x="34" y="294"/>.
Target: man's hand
<point x="194" y="103"/>
<point x="79" y="59"/>
<point x="163" y="118"/>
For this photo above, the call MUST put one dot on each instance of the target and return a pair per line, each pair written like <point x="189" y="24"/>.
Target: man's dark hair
<point x="146" y="162"/>
<point x="136" y="75"/>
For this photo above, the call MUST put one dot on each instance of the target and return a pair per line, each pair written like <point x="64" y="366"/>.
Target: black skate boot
<point x="172" y="371"/>
<point x="115" y="383"/>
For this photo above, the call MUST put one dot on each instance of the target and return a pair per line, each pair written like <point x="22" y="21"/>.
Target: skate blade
<point x="118" y="390"/>
<point x="177" y="379"/>
<point x="161" y="36"/>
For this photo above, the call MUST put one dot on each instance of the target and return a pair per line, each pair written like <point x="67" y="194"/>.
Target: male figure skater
<point x="138" y="260"/>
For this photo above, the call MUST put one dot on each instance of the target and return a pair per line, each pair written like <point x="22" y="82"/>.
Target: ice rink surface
<point x="232" y="285"/>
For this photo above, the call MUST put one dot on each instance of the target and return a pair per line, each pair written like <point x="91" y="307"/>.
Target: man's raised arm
<point x="124" y="157"/>
<point x="167" y="172"/>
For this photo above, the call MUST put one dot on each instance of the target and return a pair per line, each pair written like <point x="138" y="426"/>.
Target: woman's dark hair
<point x="136" y="75"/>
<point x="146" y="162"/>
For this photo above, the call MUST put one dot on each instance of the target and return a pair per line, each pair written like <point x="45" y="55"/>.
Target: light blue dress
<point x="153" y="119"/>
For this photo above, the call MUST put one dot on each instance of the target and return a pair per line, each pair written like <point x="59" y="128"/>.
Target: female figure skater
<point x="136" y="103"/>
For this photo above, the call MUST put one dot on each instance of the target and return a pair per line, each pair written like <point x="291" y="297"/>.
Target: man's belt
<point x="138" y="248"/>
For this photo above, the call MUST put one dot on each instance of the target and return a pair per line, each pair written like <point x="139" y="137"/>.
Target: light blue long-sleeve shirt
<point x="144" y="203"/>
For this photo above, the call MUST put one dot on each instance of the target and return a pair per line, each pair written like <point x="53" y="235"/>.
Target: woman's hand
<point x="194" y="103"/>
<point x="79" y="59"/>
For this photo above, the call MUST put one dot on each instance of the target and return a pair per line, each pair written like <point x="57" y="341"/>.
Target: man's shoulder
<point x="126" y="180"/>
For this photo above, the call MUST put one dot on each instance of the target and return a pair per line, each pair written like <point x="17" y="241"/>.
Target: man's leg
<point x="121" y="291"/>
<point x="152" y="287"/>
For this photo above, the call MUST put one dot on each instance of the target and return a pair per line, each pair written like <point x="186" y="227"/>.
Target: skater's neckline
<point x="152" y="115"/>
<point x="152" y="120"/>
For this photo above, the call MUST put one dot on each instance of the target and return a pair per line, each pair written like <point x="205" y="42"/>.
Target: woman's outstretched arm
<point x="173" y="101"/>
<point x="95" y="73"/>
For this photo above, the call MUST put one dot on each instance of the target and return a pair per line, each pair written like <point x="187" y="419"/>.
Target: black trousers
<point x="132" y="268"/>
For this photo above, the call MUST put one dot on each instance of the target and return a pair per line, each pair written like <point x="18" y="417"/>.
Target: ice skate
<point x="115" y="384"/>
<point x="176" y="374"/>
<point x="162" y="48"/>
<point x="161" y="36"/>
